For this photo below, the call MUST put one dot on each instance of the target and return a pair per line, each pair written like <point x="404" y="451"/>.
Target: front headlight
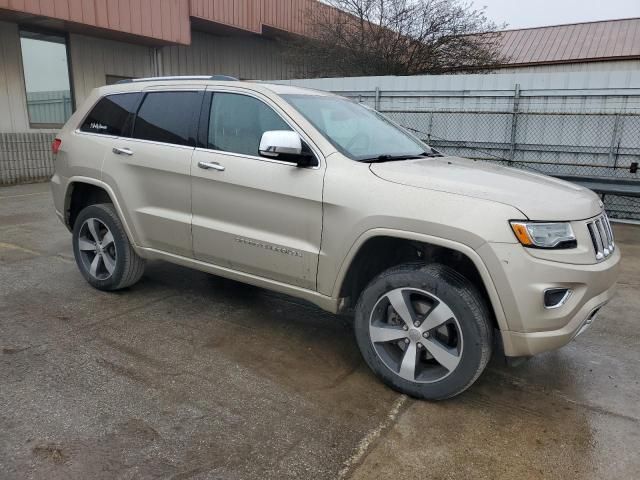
<point x="544" y="235"/>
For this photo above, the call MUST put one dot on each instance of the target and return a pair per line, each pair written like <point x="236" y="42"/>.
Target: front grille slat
<point x="606" y="233"/>
<point x="601" y="236"/>
<point x="595" y="236"/>
<point x="610" y="230"/>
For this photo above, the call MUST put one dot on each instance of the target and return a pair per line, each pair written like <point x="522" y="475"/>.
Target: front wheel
<point x="424" y="330"/>
<point x="102" y="250"/>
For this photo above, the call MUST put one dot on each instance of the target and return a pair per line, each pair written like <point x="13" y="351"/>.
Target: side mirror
<point x="287" y="146"/>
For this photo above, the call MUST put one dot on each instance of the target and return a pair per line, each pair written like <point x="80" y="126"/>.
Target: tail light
<point x="55" y="146"/>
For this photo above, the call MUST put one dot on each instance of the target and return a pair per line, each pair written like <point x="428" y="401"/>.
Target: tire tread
<point x="134" y="265"/>
<point x="471" y="297"/>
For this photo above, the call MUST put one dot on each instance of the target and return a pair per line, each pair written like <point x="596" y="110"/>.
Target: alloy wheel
<point x="97" y="249"/>
<point x="416" y="335"/>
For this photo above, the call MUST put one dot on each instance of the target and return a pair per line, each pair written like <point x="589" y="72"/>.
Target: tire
<point x="449" y="348"/>
<point x="117" y="266"/>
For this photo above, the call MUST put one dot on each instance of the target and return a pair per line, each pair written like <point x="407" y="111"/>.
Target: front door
<point x="250" y="213"/>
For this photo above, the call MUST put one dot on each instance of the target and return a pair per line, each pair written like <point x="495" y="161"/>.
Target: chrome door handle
<point x="211" y="166"/>
<point x="122" y="151"/>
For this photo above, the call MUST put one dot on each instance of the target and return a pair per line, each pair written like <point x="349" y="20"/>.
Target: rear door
<point x="150" y="170"/>
<point x="253" y="214"/>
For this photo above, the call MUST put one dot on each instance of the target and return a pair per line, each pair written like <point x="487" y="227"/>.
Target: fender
<point x="494" y="298"/>
<point x="114" y="200"/>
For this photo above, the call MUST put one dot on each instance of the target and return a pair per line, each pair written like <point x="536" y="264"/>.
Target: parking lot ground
<point x="187" y="375"/>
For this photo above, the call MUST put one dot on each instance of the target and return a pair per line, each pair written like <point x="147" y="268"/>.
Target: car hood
<point x="537" y="196"/>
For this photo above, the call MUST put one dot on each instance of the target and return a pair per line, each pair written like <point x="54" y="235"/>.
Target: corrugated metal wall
<point x="610" y="66"/>
<point x="52" y="107"/>
<point x="595" y="92"/>
<point x="13" y="103"/>
<point x="24" y="152"/>
<point x="252" y="15"/>
<point x="165" y="20"/>
<point x="92" y="59"/>
<point x="247" y="57"/>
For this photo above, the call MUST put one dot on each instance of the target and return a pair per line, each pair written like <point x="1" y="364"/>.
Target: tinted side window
<point x="238" y="121"/>
<point x="112" y="115"/>
<point x="167" y="117"/>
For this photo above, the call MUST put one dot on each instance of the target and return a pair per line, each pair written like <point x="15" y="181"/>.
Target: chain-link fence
<point x="575" y="146"/>
<point x="581" y="127"/>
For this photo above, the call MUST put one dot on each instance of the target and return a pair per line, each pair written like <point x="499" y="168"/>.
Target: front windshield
<point x="356" y="131"/>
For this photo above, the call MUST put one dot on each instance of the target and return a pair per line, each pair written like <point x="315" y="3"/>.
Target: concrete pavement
<point x="187" y="375"/>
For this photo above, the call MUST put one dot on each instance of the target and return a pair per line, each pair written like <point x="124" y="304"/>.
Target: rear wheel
<point x="424" y="330"/>
<point x="102" y="250"/>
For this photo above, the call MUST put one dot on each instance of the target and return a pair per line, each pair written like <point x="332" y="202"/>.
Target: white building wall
<point x="93" y="59"/>
<point x="25" y="153"/>
<point x="587" y="92"/>
<point x="13" y="102"/>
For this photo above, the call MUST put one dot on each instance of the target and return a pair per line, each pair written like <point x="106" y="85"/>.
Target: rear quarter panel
<point x="80" y="155"/>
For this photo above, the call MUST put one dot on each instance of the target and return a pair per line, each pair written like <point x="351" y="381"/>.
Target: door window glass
<point x="112" y="115"/>
<point x="46" y="78"/>
<point x="237" y="123"/>
<point x="167" y="117"/>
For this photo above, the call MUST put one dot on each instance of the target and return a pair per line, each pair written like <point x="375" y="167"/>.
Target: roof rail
<point x="178" y="77"/>
<point x="223" y="78"/>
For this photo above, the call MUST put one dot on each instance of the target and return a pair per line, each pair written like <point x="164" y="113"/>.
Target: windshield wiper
<point x="393" y="158"/>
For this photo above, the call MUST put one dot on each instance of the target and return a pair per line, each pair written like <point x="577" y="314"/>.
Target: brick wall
<point x="25" y="157"/>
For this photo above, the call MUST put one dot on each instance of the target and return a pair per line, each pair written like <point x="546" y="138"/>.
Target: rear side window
<point x="238" y="121"/>
<point x="112" y="115"/>
<point x="168" y="117"/>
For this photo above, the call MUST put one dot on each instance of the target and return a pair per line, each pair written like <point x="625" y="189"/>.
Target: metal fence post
<point x="514" y="122"/>
<point x="376" y="104"/>
<point x="613" y="148"/>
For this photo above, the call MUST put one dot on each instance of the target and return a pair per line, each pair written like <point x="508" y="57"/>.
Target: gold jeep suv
<point x="310" y="194"/>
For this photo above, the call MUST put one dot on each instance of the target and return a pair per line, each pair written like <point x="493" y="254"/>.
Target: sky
<point x="536" y="13"/>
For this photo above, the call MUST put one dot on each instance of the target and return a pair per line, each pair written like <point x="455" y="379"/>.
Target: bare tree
<point x="396" y="37"/>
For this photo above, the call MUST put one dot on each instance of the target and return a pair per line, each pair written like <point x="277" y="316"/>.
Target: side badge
<point x="601" y="204"/>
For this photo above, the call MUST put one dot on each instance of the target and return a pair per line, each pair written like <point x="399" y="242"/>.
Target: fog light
<point x="556" y="297"/>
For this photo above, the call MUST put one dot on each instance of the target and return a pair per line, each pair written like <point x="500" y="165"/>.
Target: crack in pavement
<point x="369" y="440"/>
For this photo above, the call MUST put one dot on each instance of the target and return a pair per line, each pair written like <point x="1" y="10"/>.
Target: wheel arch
<point x="98" y="192"/>
<point x="389" y="247"/>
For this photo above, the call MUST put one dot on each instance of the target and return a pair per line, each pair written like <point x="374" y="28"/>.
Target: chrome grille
<point x="601" y="236"/>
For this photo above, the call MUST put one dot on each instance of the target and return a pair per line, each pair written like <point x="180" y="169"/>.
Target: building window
<point x="46" y="78"/>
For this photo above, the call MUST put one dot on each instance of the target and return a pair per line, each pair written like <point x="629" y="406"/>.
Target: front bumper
<point x="519" y="344"/>
<point x="521" y="280"/>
